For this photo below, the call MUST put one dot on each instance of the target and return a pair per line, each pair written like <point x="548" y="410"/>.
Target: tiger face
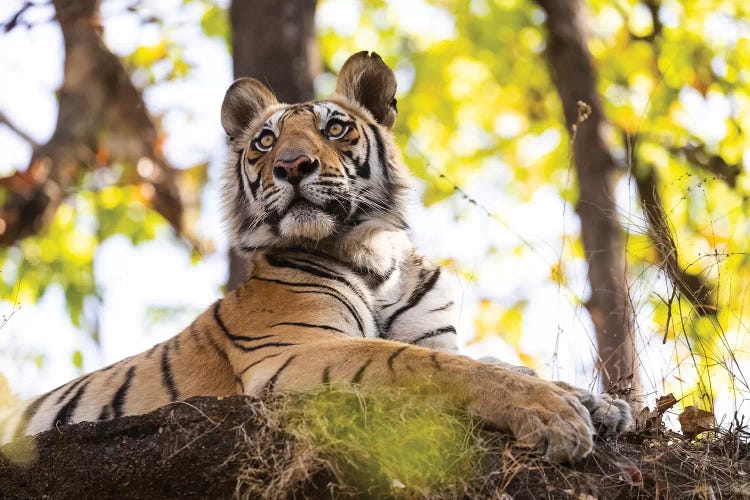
<point x="317" y="172"/>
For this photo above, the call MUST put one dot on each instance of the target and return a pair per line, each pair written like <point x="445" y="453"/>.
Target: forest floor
<point x="342" y="444"/>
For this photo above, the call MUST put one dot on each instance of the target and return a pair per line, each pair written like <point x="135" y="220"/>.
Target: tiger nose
<point x="295" y="170"/>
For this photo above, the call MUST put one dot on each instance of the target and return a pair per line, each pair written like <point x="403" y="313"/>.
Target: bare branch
<point x="698" y="156"/>
<point x="692" y="286"/>
<point x="16" y="20"/>
<point x="20" y="133"/>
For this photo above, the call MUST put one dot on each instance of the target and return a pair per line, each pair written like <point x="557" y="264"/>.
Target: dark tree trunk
<point x="573" y="72"/>
<point x="274" y="41"/>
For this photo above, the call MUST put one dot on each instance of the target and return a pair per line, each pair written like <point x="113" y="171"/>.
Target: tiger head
<point x="317" y="174"/>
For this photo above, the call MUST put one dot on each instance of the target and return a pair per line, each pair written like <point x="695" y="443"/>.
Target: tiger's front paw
<point x="540" y="415"/>
<point x="610" y="416"/>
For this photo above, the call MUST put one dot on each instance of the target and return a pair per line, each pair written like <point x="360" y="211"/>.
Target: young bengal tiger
<point x="313" y="195"/>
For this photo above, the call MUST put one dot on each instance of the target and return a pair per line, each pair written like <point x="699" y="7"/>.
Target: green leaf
<point x="78" y="360"/>
<point x="214" y="22"/>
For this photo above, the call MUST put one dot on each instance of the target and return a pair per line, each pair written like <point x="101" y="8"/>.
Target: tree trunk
<point x="573" y="72"/>
<point x="101" y="120"/>
<point x="274" y="41"/>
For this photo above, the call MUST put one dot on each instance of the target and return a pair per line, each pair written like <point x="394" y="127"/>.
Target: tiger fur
<point x="314" y="198"/>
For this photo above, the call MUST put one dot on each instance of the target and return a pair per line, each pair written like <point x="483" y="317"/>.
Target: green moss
<point x="388" y="442"/>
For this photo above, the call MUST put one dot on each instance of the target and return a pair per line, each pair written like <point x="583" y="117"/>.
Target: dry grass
<point x="394" y="444"/>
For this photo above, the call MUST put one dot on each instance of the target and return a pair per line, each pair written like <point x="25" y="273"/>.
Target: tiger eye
<point x="266" y="141"/>
<point x="336" y="130"/>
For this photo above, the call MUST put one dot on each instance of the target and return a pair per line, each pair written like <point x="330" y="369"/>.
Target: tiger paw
<point x="609" y="416"/>
<point x="541" y="416"/>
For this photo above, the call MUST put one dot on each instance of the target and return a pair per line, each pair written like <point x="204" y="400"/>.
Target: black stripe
<point x="119" y="400"/>
<point x="66" y="412"/>
<point x="254" y="185"/>
<point x="308" y="325"/>
<point x="364" y="169"/>
<point x="358" y="376"/>
<point x="334" y="113"/>
<point x="330" y="175"/>
<point x="216" y="347"/>
<point x="241" y="196"/>
<point x="318" y="265"/>
<point x="336" y="295"/>
<point x="28" y="414"/>
<point x="434" y="333"/>
<point x="376" y="279"/>
<point x="346" y="303"/>
<point x="232" y="337"/>
<point x="327" y="375"/>
<point x="315" y="271"/>
<point x="104" y="415"/>
<point x="71" y="387"/>
<point x="395" y="355"/>
<point x="263" y="346"/>
<point x="272" y="381"/>
<point x="329" y="184"/>
<point x="166" y="375"/>
<point x="150" y="352"/>
<point x="381" y="152"/>
<point x="242" y="173"/>
<point x="244" y="370"/>
<point x="416" y="296"/>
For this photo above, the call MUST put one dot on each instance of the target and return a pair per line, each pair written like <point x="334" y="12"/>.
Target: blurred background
<point x="580" y="165"/>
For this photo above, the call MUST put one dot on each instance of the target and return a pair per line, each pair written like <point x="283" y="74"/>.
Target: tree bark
<point x="274" y="42"/>
<point x="101" y="119"/>
<point x="574" y="76"/>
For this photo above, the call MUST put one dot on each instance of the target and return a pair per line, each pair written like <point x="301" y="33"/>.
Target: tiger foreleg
<point x="538" y="413"/>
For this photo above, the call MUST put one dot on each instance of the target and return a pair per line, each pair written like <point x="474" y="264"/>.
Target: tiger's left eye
<point x="266" y="141"/>
<point x="336" y="130"/>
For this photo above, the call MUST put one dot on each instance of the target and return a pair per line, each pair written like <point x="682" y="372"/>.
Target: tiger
<point x="314" y="198"/>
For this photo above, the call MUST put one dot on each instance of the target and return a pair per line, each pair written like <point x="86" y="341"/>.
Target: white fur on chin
<point x="306" y="223"/>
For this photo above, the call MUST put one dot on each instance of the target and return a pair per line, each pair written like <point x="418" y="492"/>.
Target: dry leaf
<point x="649" y="421"/>
<point x="664" y="403"/>
<point x="693" y="421"/>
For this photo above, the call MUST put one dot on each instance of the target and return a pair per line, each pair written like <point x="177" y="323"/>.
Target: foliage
<point x="674" y="89"/>
<point x="64" y="254"/>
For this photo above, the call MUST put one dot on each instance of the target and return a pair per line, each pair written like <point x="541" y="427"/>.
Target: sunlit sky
<point x="133" y="279"/>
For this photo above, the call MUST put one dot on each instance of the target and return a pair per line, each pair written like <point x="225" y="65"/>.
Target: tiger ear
<point x="244" y="100"/>
<point x="367" y="80"/>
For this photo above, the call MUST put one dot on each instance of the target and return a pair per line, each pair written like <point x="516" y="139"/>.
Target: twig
<point x="20" y="133"/>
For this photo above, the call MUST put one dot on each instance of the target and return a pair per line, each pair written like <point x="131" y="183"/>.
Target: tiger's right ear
<point x="244" y="100"/>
